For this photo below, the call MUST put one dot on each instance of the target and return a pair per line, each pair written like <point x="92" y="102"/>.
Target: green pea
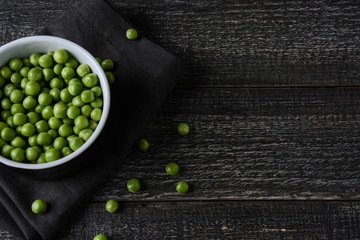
<point x="29" y="102"/>
<point x="98" y="60"/>
<point x="70" y="138"/>
<point x="133" y="185"/>
<point x="2" y="81"/>
<point x="3" y="125"/>
<point x="73" y="112"/>
<point x="33" y="117"/>
<point x="44" y="99"/>
<point x="24" y="71"/>
<point x="5" y="114"/>
<point x="100" y="237"/>
<point x="110" y="77"/>
<point x="107" y="64"/>
<point x="131" y="34"/>
<point x="76" y="101"/>
<point x="7" y="134"/>
<point x="172" y="168"/>
<point x="41" y="158"/>
<point x="65" y="95"/>
<point x="39" y="108"/>
<point x="19" y="119"/>
<point x="67" y="73"/>
<point x="2" y="143"/>
<point x="27" y="130"/>
<point x="87" y="96"/>
<point x="60" y="110"/>
<point x="10" y="122"/>
<point x="32" y="140"/>
<point x="66" y="151"/>
<point x="75" y="88"/>
<point x="92" y="124"/>
<point x="43" y="138"/>
<point x="26" y="62"/>
<point x="97" y="103"/>
<point x="15" y="64"/>
<point x="111" y="206"/>
<point x="52" y="154"/>
<point x="90" y="80"/>
<point x="8" y="88"/>
<point x="31" y="154"/>
<point x="53" y="133"/>
<point x="85" y="134"/>
<point x="6" y="150"/>
<point x="18" y="142"/>
<point x="5" y="72"/>
<point x="35" y="74"/>
<point x="17" y="155"/>
<point x="39" y="206"/>
<point x="58" y="68"/>
<point x="50" y="53"/>
<point x="6" y="103"/>
<point x="16" y="96"/>
<point x="23" y="83"/>
<point x="83" y="70"/>
<point x="45" y="61"/>
<point x="61" y="56"/>
<point x="182" y="187"/>
<point x="59" y="143"/>
<point x="143" y="144"/>
<point x="69" y="121"/>
<point x="34" y="59"/>
<point x="16" y="78"/>
<point x="81" y="122"/>
<point x="96" y="114"/>
<point x="72" y="62"/>
<point x="47" y="112"/>
<point x="55" y="94"/>
<point x="54" y="123"/>
<point x="76" y="130"/>
<point x="48" y="74"/>
<point x="86" y="110"/>
<point x="183" y="129"/>
<point x="65" y="130"/>
<point x="32" y="88"/>
<point x="56" y="83"/>
<point x="97" y="91"/>
<point x="18" y="130"/>
<point x="76" y="143"/>
<point x="42" y="126"/>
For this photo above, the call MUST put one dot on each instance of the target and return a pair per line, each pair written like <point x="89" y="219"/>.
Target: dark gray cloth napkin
<point x="145" y="72"/>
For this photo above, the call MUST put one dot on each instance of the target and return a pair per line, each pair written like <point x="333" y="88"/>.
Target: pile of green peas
<point x="50" y="106"/>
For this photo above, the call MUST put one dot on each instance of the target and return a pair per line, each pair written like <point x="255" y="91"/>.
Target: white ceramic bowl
<point x="23" y="47"/>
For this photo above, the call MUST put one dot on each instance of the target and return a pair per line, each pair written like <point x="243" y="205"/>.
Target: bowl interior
<point x="24" y="47"/>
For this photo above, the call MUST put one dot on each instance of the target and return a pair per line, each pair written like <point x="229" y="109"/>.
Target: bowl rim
<point x="105" y="95"/>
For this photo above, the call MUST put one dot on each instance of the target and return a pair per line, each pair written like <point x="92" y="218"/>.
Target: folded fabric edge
<point x="19" y="224"/>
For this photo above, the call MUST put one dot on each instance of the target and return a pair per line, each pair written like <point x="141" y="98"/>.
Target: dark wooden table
<point x="272" y="95"/>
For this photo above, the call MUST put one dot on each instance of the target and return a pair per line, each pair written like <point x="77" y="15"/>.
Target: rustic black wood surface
<point x="273" y="99"/>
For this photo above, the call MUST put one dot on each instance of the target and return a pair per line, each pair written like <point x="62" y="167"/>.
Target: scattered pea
<point x="131" y="34"/>
<point x="172" y="168"/>
<point x="133" y="185"/>
<point x="182" y="187"/>
<point x="183" y="129"/>
<point x="111" y="206"/>
<point x="39" y="206"/>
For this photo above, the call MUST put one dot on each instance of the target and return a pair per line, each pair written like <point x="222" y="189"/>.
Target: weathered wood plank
<point x="243" y="43"/>
<point x="248" y="144"/>
<point x="216" y="220"/>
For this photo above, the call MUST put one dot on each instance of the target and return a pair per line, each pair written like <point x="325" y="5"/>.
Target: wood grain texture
<point x="247" y="43"/>
<point x="216" y="220"/>
<point x="248" y="144"/>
